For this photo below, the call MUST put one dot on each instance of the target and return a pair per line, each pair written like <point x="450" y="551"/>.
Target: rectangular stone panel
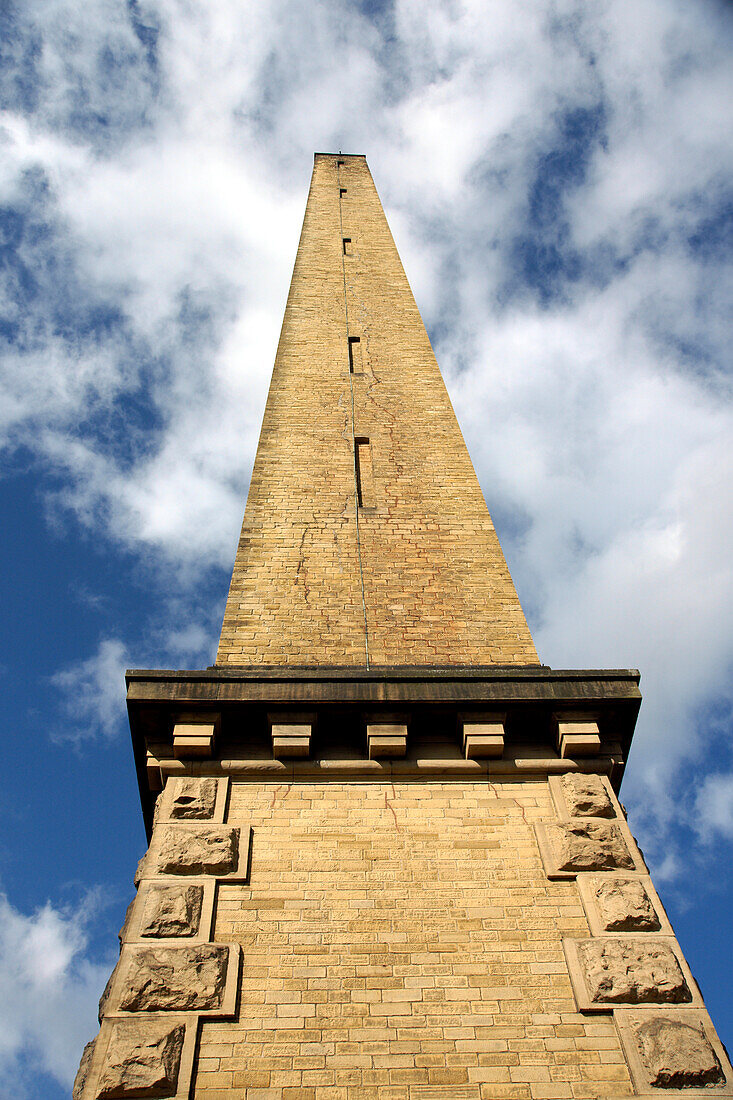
<point x="172" y="911"/>
<point x="193" y="798"/>
<point x="212" y="851"/>
<point x="611" y="971"/>
<point x="675" y="1053"/>
<point x="134" y="1057"/>
<point x="586" y="844"/>
<point x="142" y="1059"/>
<point x="173" y="979"/>
<point x="626" y="904"/>
<point x="586" y="796"/>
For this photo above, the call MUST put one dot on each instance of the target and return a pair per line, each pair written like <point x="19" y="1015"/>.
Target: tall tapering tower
<point x="387" y="858"/>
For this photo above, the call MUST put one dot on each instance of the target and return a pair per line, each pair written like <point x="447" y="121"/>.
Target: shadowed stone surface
<point x="174" y="978"/>
<point x="585" y="796"/>
<point x="104" y="999"/>
<point x="632" y="972"/>
<point x="172" y="911"/>
<point x="676" y="1054"/>
<point x="625" y="906"/>
<point x="142" y="1060"/>
<point x="83" y="1071"/>
<point x="211" y="851"/>
<point x="590" y="846"/>
<point x="122" y="934"/>
<point x="193" y="798"/>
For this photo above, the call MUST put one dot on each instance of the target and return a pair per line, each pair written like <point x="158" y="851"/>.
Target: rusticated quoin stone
<point x="192" y="798"/>
<point x="174" y="978"/>
<point x="585" y="796"/>
<point x="590" y="846"/>
<point x="207" y="851"/>
<point x="106" y="993"/>
<point x="142" y="1059"/>
<point x="632" y="972"/>
<point x="172" y="911"/>
<point x="625" y="906"/>
<point x="676" y="1054"/>
<point x="83" y="1071"/>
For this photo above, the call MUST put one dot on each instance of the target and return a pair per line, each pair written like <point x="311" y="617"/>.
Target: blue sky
<point x="559" y="188"/>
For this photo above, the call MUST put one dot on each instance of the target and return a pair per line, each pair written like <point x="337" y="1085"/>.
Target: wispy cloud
<point x="714" y="806"/>
<point x="93" y="693"/>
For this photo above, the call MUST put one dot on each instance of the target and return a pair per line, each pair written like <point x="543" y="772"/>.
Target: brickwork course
<point x="342" y="901"/>
<point x="414" y="576"/>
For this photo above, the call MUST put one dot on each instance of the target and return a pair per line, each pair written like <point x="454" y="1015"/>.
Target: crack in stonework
<point x="388" y="805"/>
<point x="301" y="566"/>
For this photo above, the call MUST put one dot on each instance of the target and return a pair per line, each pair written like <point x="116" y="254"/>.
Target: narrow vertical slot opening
<point x="364" y="472"/>
<point x="347" y="246"/>
<point x="355" y="364"/>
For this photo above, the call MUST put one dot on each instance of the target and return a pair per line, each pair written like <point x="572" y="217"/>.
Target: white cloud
<point x="50" y="993"/>
<point x="93" y="693"/>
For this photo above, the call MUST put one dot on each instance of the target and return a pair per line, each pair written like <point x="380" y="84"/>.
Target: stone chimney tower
<point x="387" y="858"/>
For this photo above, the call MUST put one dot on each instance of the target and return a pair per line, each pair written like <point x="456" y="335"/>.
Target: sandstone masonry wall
<point x="420" y="563"/>
<point x="402" y="942"/>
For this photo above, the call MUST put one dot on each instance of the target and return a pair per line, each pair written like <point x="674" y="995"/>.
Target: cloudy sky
<point x="557" y="175"/>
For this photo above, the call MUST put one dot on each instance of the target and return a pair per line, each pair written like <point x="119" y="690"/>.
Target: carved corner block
<point x="576" y="734"/>
<point x="568" y="848"/>
<point x="482" y="735"/>
<point x="194" y="735"/>
<point x="622" y="906"/>
<point x="172" y="910"/>
<point x="154" y="978"/>
<point x="612" y="972"/>
<point x="291" y="733"/>
<point x="193" y="798"/>
<point x="674" y="1052"/>
<point x="179" y="850"/>
<point x="135" y="1057"/>
<point x="584" y="794"/>
<point x="387" y="737"/>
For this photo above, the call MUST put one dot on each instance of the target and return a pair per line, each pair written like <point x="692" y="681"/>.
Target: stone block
<point x="172" y="911"/>
<point x="206" y="851"/>
<point x="624" y="905"/>
<point x="142" y="1059"/>
<point x="152" y="768"/>
<point x="589" y="846"/>
<point x="291" y="733"/>
<point x="586" y="796"/>
<point x="386" y="739"/>
<point x="107" y="993"/>
<point x="192" y="798"/>
<point x="632" y="972"/>
<point x="676" y="1053"/>
<point x="178" y="979"/>
<point x="482" y="735"/>
<point x="577" y="735"/>
<point x="194" y="735"/>
<point x="627" y="971"/>
<point x="675" y="1050"/>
